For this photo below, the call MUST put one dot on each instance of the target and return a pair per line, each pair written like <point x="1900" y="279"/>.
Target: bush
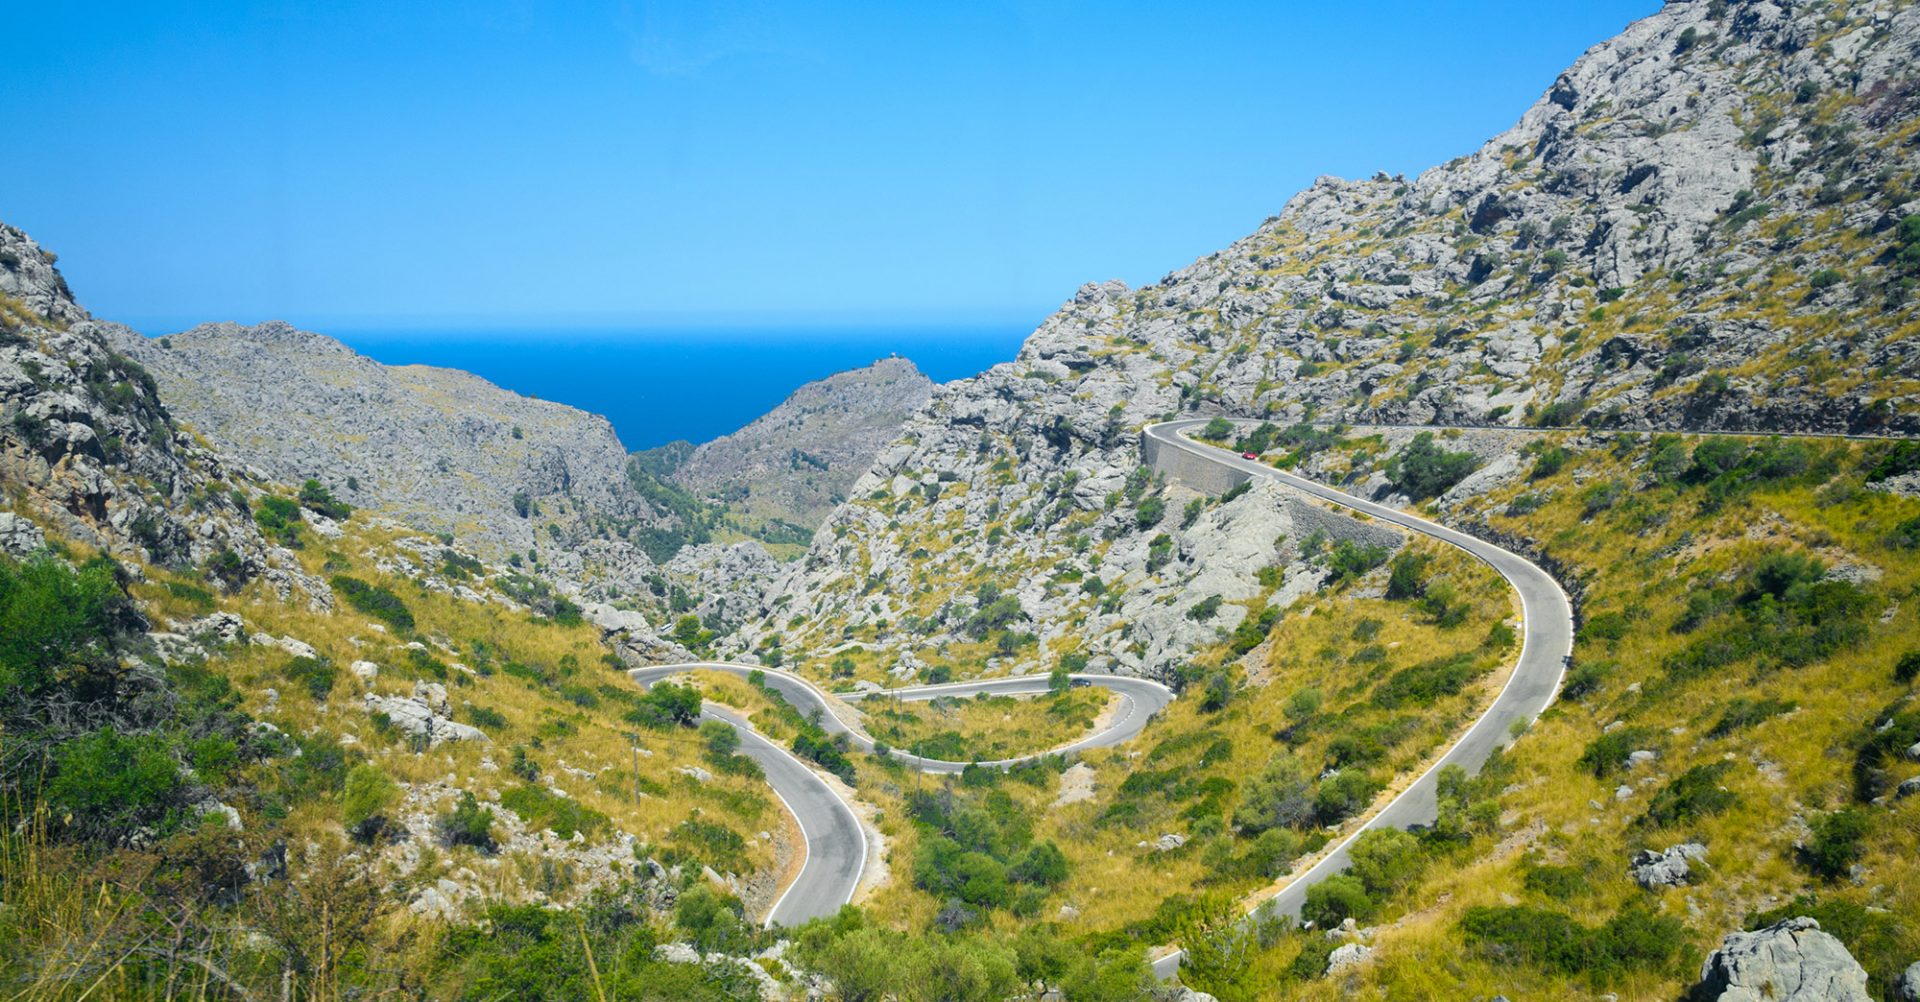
<point x="713" y="921"/>
<point x="1826" y="278"/>
<point x="368" y="791"/>
<point x="1557" y="882"/>
<point x="1607" y="754"/>
<point x="1693" y="794"/>
<point x="469" y="823"/>
<point x="316" y="498"/>
<point x="541" y="808"/>
<point x="1386" y="860"/>
<point x="1907" y="668"/>
<point x="1742" y="713"/>
<point x="1280" y="797"/>
<point x="1836" y="843"/>
<point x="1342" y="795"/>
<point x="1217" y="430"/>
<point x="111" y="784"/>
<point x="1423" y="469"/>
<point x="55" y="621"/>
<point x="1426" y="682"/>
<point x="667" y="705"/>
<point x="1407" y="576"/>
<point x="1350" y="560"/>
<point x="1336" y="899"/>
<point x="1149" y="512"/>
<point x="1204" y="609"/>
<point x="1634" y="940"/>
<point x="374" y="600"/>
<point x="316" y="675"/>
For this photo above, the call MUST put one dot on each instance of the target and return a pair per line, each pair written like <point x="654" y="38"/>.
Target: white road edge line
<point x="1203" y="452"/>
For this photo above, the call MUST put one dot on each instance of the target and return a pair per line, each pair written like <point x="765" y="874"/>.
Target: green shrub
<point x="316" y="498"/>
<point x="109" y="784"/>
<point x="1423" y="469"/>
<point x="316" y="675"/>
<point x="1204" y="609"/>
<point x="1557" y="882"/>
<point x="368" y="791"/>
<point x="1836" y="843"/>
<point x="1634" y="940"/>
<point x="469" y="823"/>
<point x="667" y="705"/>
<point x="1350" y="560"/>
<point x="374" y="600"/>
<point x="1907" y="668"/>
<point x="55" y="621"/>
<point x="1217" y="430"/>
<point x="541" y="808"/>
<point x="1428" y="681"/>
<point x="1693" y="794"/>
<point x="1386" y="860"/>
<point x="1607" y="754"/>
<point x="1407" y="576"/>
<point x="1336" y="899"/>
<point x="1343" y="795"/>
<point x="1742" y="713"/>
<point x="485" y="718"/>
<point x="1149" y="512"/>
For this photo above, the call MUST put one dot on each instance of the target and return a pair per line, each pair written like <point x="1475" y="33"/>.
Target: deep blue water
<point x="657" y="385"/>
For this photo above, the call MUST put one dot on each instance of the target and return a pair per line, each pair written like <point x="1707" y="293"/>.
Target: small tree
<point x="1217" y="430"/>
<point x="469" y="823"/>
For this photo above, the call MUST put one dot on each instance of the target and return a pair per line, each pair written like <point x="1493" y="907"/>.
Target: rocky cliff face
<point x="88" y="449"/>
<point x="798" y="461"/>
<point x="1698" y="225"/>
<point x="440" y="449"/>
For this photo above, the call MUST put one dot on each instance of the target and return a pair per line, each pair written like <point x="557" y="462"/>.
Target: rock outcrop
<point x="1789" y="961"/>
<point x="799" y="460"/>
<point x="93" y="453"/>
<point x="439" y="449"/>
<point x="1670" y="868"/>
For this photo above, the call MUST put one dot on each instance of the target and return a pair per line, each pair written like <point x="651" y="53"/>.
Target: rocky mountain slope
<point x="1698" y="225"/>
<point x="797" y="462"/>
<point x="88" y="450"/>
<point x="441" y="449"/>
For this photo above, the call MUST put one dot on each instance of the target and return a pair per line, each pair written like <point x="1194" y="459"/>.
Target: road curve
<point x="835" y="844"/>
<point x="1546" y="645"/>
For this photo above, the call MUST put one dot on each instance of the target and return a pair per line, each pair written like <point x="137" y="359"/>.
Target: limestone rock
<point x="1789" y="961"/>
<point x="1348" y="955"/>
<point x="1654" y="870"/>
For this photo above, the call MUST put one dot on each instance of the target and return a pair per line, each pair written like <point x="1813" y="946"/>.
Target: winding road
<point x="1547" y="642"/>
<point x="836" y="845"/>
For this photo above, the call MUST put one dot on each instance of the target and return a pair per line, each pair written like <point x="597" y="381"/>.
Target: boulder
<point x="1789" y="961"/>
<point x="1348" y="955"/>
<point x="1670" y="868"/>
<point x="1907" y="989"/>
<point x="19" y="537"/>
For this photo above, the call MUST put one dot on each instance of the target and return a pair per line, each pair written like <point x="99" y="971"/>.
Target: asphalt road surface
<point x="1547" y="621"/>
<point x="836" y="846"/>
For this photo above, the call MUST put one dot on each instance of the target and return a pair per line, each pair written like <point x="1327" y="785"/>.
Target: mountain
<point x="90" y="453"/>
<point x="439" y="449"/>
<point x="1697" y="226"/>
<point x="797" y="461"/>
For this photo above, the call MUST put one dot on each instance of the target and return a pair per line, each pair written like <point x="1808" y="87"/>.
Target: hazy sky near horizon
<point x="519" y="163"/>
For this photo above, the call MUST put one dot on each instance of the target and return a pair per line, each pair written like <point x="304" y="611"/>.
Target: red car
<point x="1249" y="455"/>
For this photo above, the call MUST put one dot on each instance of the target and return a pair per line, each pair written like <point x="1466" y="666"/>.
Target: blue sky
<point x="574" y="164"/>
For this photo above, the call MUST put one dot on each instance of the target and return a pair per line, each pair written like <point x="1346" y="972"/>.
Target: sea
<point x="661" y="384"/>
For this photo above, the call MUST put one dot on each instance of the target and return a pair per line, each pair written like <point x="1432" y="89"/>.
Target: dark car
<point x="1081" y="683"/>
